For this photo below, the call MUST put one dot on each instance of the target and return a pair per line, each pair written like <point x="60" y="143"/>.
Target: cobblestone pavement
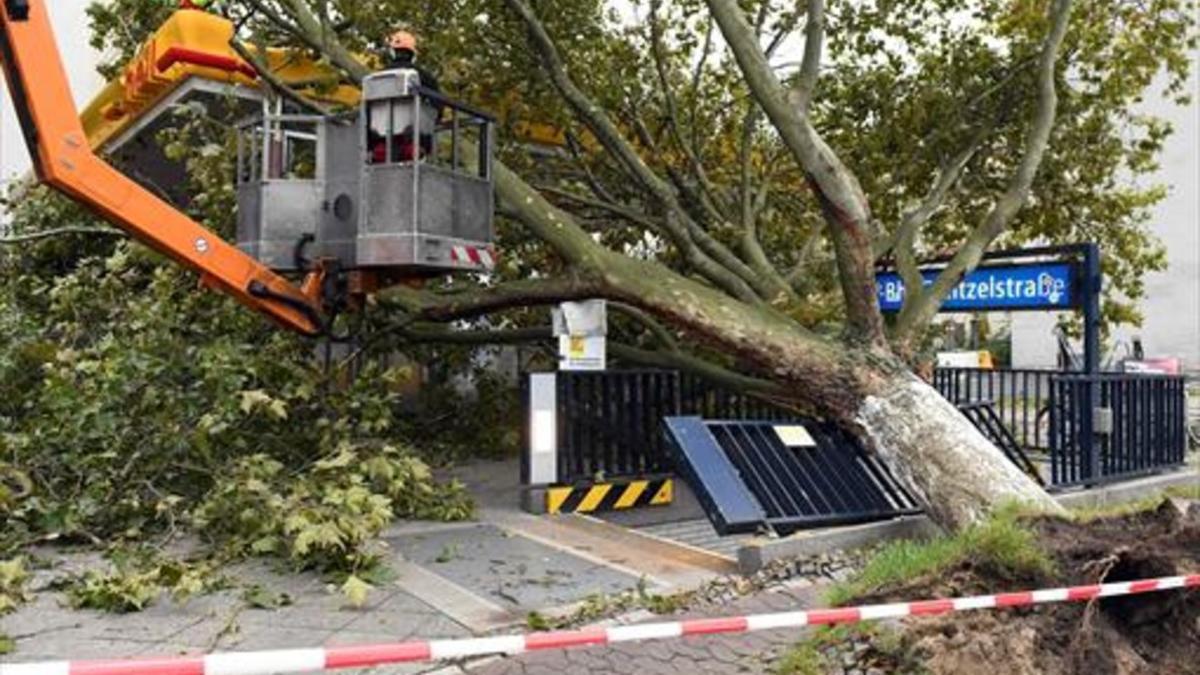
<point x="749" y="653"/>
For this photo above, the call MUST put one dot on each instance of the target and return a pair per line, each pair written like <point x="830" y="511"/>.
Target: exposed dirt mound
<point x="1154" y="633"/>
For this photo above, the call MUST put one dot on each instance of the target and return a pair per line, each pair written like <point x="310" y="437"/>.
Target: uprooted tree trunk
<point x="857" y="380"/>
<point x="956" y="473"/>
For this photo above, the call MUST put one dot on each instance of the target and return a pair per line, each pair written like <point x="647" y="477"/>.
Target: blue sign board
<point x="1044" y="286"/>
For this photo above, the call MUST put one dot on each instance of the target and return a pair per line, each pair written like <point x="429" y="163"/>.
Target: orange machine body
<point x="64" y="159"/>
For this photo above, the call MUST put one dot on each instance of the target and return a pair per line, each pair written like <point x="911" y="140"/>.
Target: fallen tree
<point x="859" y="378"/>
<point x="723" y="247"/>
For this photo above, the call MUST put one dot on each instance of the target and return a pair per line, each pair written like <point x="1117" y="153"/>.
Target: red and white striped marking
<point x="333" y="658"/>
<point x="480" y="256"/>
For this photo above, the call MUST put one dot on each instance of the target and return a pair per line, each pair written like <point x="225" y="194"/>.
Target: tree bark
<point x="956" y="473"/>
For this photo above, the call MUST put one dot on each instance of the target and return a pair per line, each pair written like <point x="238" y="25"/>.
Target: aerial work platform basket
<point x="403" y="185"/>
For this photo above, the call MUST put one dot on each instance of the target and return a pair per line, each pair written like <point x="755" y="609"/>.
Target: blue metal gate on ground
<point x="754" y="476"/>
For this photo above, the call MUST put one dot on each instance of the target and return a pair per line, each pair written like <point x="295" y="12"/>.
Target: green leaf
<point x="356" y="591"/>
<point x="261" y="598"/>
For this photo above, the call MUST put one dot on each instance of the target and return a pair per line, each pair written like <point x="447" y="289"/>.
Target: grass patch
<point x="803" y="659"/>
<point x="1184" y="492"/>
<point x="1003" y="544"/>
<point x="886" y="651"/>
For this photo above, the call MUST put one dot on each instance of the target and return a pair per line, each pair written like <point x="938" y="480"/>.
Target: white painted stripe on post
<point x="255" y="663"/>
<point x="1168" y="583"/>
<point x="773" y="621"/>
<point x="893" y="611"/>
<point x="1051" y="595"/>
<point x="457" y="649"/>
<point x="51" y="668"/>
<point x="650" y="631"/>
<point x="977" y="602"/>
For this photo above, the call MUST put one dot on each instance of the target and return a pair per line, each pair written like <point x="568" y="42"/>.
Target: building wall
<point x="71" y="30"/>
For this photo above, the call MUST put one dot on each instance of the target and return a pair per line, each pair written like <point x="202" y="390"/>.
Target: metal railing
<point x="1021" y="398"/>
<point x="985" y="418"/>
<point x="1139" y="427"/>
<point x="609" y="422"/>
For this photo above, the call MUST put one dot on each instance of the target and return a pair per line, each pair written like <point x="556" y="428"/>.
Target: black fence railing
<point x="1138" y="426"/>
<point x="609" y="422"/>
<point x="1021" y="398"/>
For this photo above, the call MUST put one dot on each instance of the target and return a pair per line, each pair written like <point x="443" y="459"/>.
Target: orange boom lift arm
<point x="64" y="160"/>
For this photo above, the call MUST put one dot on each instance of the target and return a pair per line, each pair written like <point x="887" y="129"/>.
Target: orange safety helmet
<point x="403" y="40"/>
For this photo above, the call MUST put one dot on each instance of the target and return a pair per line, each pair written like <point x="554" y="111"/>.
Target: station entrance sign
<point x="1036" y="286"/>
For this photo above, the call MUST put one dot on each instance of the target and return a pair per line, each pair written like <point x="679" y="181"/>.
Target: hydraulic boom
<point x="64" y="160"/>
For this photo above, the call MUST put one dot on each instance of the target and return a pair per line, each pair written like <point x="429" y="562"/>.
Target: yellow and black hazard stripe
<point x="613" y="496"/>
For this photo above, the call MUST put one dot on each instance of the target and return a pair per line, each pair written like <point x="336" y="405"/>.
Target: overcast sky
<point x="70" y="26"/>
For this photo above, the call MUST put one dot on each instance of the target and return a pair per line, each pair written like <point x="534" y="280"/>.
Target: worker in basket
<point x="402" y="55"/>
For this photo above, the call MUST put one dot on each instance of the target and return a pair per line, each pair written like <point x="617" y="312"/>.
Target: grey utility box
<point x="404" y="185"/>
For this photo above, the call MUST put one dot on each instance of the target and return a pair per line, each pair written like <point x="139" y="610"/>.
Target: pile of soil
<point x="1153" y="633"/>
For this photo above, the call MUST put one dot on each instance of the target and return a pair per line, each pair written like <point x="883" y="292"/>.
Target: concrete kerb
<point x="1122" y="493"/>
<point x="760" y="552"/>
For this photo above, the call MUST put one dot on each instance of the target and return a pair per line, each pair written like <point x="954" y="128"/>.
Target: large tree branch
<point x="315" y="34"/>
<point x="810" y="66"/>
<point x="423" y="305"/>
<point x="677" y="360"/>
<point x="766" y="341"/>
<point x="918" y="314"/>
<point x="913" y="220"/>
<point x="273" y="81"/>
<point x="712" y="199"/>
<point x="708" y="256"/>
<point x="842" y="199"/>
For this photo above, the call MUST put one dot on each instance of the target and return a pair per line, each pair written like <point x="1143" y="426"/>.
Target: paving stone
<point x="253" y="638"/>
<point x="508" y="569"/>
<point x="317" y="607"/>
<point x="59" y="647"/>
<point x="406" y="617"/>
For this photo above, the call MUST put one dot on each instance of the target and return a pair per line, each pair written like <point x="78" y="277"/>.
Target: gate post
<point x="1091" y="288"/>
<point x="539" y="466"/>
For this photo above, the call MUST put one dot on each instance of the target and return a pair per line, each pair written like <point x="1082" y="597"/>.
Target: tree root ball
<point x="1154" y="633"/>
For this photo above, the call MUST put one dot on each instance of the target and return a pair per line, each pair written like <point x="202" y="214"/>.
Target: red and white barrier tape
<point x="332" y="658"/>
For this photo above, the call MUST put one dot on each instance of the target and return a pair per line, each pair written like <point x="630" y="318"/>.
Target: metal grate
<point x="754" y="476"/>
<point x="608" y="421"/>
